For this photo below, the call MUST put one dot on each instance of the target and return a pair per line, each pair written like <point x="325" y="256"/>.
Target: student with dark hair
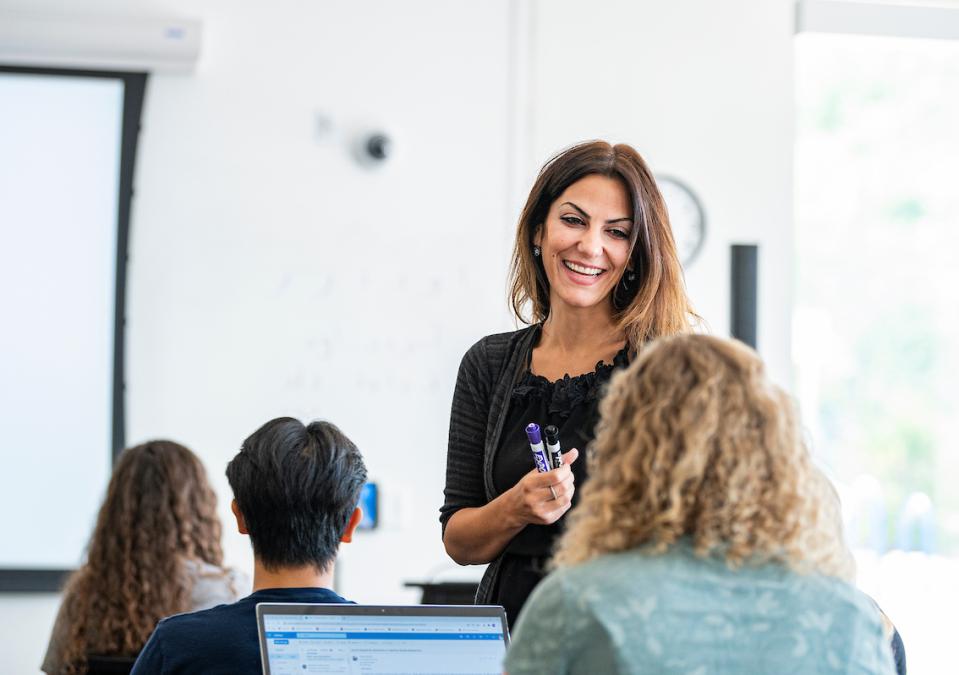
<point x="295" y="492"/>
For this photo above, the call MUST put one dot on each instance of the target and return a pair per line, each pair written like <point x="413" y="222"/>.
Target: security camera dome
<point x="378" y="146"/>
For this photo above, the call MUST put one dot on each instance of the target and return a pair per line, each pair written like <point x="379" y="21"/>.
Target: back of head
<point x="694" y="441"/>
<point x="296" y="487"/>
<point x="159" y="511"/>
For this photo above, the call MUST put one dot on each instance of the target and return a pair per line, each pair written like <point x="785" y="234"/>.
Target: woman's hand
<point x="477" y="535"/>
<point x="542" y="498"/>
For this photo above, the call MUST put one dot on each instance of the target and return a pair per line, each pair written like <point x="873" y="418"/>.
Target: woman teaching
<point x="595" y="274"/>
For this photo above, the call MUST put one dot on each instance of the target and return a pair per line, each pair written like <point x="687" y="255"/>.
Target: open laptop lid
<point x="341" y="638"/>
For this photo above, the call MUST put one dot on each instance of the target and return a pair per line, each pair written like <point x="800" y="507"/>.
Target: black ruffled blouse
<point x="571" y="405"/>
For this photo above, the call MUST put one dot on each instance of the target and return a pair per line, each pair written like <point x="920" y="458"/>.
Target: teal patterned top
<point x="678" y="613"/>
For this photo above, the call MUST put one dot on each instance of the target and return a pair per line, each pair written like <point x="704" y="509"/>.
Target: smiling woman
<point x="595" y="274"/>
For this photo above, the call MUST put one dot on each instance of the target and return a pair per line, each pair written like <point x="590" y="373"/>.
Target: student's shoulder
<point x="190" y="625"/>
<point x="610" y="578"/>
<point x="220" y="639"/>
<point x="560" y="587"/>
<point x="610" y="566"/>
<point x="820" y="590"/>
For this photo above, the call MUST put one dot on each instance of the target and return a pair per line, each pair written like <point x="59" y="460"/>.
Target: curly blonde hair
<point x="694" y="441"/>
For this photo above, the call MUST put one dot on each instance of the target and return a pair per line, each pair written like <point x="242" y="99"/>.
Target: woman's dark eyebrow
<point x="586" y="215"/>
<point x="582" y="213"/>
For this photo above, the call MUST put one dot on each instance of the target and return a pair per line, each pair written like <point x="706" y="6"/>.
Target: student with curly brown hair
<point x="706" y="541"/>
<point x="155" y="551"/>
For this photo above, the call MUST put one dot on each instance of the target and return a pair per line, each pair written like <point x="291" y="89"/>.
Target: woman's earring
<point x="621" y="296"/>
<point x="537" y="251"/>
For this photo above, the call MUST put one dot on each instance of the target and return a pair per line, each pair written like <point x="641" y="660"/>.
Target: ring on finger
<point x="552" y="492"/>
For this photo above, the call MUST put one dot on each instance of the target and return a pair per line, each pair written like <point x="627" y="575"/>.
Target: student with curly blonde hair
<point x="705" y="541"/>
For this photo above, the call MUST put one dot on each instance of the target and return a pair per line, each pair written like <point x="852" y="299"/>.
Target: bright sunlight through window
<point x="876" y="325"/>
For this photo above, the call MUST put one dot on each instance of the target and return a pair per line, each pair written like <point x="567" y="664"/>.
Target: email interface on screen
<point x="383" y="644"/>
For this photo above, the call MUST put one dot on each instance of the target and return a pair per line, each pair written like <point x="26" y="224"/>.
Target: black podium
<point x="446" y="593"/>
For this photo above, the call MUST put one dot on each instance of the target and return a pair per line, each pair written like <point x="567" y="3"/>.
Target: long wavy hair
<point x="695" y="442"/>
<point x="655" y="303"/>
<point x="159" y="511"/>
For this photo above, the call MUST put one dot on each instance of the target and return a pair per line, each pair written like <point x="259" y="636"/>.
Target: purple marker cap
<point x="532" y="433"/>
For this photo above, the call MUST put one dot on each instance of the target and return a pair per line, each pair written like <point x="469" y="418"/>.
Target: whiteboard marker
<point x="552" y="444"/>
<point x="536" y="445"/>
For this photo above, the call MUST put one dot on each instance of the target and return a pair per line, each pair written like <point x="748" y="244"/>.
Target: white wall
<point x="270" y="275"/>
<point x="704" y="91"/>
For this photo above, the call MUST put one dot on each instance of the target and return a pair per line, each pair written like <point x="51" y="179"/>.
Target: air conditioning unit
<point x="98" y="42"/>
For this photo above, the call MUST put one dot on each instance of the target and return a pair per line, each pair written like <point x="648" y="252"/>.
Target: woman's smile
<point x="581" y="273"/>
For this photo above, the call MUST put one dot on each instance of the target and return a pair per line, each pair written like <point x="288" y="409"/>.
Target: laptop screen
<point x="358" y="639"/>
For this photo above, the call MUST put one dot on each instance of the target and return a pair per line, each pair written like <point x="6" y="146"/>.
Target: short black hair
<point x="296" y="487"/>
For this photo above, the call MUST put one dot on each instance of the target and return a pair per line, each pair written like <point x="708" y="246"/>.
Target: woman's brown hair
<point x="159" y="511"/>
<point x="695" y="442"/>
<point x="655" y="303"/>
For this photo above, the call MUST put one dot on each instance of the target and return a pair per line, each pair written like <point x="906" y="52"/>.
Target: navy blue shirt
<point x="219" y="640"/>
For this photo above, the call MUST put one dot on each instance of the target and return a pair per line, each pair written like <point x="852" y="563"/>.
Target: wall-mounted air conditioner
<point x="98" y="42"/>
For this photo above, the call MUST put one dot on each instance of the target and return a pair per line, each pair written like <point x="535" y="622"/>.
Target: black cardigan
<point x="487" y="375"/>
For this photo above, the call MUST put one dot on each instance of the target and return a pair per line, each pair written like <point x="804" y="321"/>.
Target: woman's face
<point x="585" y="241"/>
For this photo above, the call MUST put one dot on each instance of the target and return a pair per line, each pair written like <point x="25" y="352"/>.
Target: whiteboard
<point x="60" y="140"/>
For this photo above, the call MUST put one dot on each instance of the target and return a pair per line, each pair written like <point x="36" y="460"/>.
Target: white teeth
<point x="591" y="271"/>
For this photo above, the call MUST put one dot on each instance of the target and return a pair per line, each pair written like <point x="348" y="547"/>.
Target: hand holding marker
<point x="545" y="494"/>
<point x="543" y="461"/>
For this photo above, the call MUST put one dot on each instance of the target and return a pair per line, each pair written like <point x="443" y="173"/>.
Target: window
<point x="876" y="323"/>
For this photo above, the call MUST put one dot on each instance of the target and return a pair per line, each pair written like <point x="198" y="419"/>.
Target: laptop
<point x="418" y="639"/>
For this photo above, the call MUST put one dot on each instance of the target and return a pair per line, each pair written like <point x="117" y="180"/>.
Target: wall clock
<point x="686" y="216"/>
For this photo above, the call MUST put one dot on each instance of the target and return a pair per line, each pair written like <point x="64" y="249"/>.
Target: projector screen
<point x="63" y="221"/>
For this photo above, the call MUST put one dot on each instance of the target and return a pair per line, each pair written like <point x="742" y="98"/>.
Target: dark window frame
<point x="134" y="90"/>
